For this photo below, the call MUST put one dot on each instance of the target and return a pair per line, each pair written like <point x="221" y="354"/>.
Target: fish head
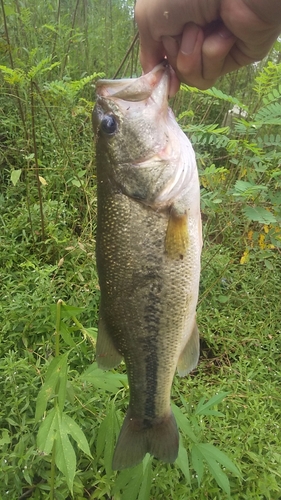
<point x="141" y="147"/>
<point x="129" y="116"/>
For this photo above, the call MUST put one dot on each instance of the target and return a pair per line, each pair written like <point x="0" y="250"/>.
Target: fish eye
<point x="108" y="124"/>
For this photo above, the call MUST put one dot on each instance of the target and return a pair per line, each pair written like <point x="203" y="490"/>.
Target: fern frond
<point x="269" y="115"/>
<point x="208" y="134"/>
<point x="218" y="94"/>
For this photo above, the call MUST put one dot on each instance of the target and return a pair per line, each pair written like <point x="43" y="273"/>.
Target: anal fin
<point x="190" y="354"/>
<point x="107" y="355"/>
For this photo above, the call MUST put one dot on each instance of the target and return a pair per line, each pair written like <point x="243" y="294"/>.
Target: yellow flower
<point x="245" y="257"/>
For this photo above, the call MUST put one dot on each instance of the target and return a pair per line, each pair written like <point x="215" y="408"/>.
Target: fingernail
<point x="224" y="32"/>
<point x="189" y="39"/>
<point x="171" y="46"/>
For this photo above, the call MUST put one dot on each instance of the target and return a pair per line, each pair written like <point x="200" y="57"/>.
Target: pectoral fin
<point x="176" y="241"/>
<point x="107" y="355"/>
<point x="189" y="356"/>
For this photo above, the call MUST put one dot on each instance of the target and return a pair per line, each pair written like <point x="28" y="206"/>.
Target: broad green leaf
<point x="27" y="477"/>
<point x="183" y="462"/>
<point x="92" y="334"/>
<point x="122" y="479"/>
<point x="129" y="481"/>
<point x="12" y="421"/>
<point x="144" y="492"/>
<point x="214" y="458"/>
<point x="110" y="437"/>
<point x="76" y="433"/>
<point x="70" y="311"/>
<point x="197" y="462"/>
<point x="65" y="457"/>
<point x="259" y="214"/>
<point x="15" y="175"/>
<point x="47" y="432"/>
<point x="213" y="452"/>
<point x="107" y="381"/>
<point x="50" y="385"/>
<point x="268" y="264"/>
<point x="106" y="437"/>
<point x="70" y="393"/>
<point x="183" y="423"/>
<point x="67" y="311"/>
<point x="133" y="486"/>
<point x="219" y="476"/>
<point x="55" y="366"/>
<point x="65" y="333"/>
<point x="101" y="437"/>
<point x="223" y="299"/>
<point x="5" y="439"/>
<point x="63" y="368"/>
<point x="76" y="183"/>
<point x="215" y="400"/>
<point x="47" y="390"/>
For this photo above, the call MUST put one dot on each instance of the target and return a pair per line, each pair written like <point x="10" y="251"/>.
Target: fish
<point x="148" y="247"/>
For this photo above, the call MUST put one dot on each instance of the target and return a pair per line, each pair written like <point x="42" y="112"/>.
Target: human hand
<point x="204" y="39"/>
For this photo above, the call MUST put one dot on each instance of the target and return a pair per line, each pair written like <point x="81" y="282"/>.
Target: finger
<point x="216" y="57"/>
<point x="202" y="55"/>
<point x="189" y="58"/>
<point x="154" y="23"/>
<point x="222" y="52"/>
<point x="151" y="53"/>
<point x="243" y="53"/>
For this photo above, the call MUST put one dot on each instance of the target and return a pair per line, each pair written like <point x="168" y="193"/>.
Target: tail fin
<point x="159" y="437"/>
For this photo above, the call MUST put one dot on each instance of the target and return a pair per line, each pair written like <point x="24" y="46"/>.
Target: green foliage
<point x="135" y="483"/>
<point x="205" y="452"/>
<point x="60" y="415"/>
<point x="57" y="425"/>
<point x="245" y="159"/>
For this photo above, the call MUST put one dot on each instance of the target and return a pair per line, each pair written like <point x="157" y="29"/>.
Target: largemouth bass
<point x="148" y="255"/>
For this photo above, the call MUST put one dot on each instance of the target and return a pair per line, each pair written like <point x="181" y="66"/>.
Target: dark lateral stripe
<point x="152" y="320"/>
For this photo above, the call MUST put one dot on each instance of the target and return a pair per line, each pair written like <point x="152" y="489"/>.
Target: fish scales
<point x="149" y="286"/>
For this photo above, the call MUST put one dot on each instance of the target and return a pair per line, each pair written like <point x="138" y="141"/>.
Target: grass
<point x="243" y="345"/>
<point x="239" y="307"/>
<point x="239" y="318"/>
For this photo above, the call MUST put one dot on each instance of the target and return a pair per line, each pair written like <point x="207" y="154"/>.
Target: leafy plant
<point x="51" y="54"/>
<point x="56" y="426"/>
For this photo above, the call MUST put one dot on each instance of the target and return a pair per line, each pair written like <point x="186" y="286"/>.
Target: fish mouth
<point x="154" y="84"/>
